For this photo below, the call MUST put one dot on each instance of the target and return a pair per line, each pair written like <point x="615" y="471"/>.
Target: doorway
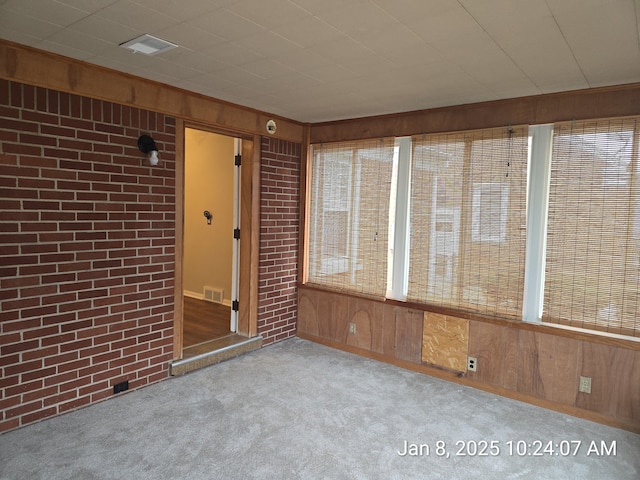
<point x="210" y="251"/>
<point x="248" y="246"/>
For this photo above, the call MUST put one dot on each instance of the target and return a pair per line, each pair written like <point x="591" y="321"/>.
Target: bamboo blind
<point x="593" y="253"/>
<point x="349" y="215"/>
<point x="468" y="216"/>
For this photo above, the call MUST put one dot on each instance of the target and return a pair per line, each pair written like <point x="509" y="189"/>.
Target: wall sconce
<point x="148" y="146"/>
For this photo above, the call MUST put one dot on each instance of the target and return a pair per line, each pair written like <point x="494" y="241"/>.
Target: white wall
<point x="209" y="164"/>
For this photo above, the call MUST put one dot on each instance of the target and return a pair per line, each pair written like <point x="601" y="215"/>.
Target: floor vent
<point x="215" y="295"/>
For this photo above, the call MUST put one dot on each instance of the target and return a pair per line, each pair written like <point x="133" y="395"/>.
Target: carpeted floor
<point x="298" y="410"/>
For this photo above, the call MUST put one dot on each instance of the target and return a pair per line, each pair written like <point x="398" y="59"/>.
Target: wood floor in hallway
<point x="204" y="321"/>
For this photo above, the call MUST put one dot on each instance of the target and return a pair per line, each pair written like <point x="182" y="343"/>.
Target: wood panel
<point x="496" y="349"/>
<point x="615" y="381"/>
<point x="249" y="238"/>
<point x="308" y="313"/>
<point x="522" y="361"/>
<point x="409" y="326"/>
<point x="36" y="67"/>
<point x="445" y="341"/>
<point x="603" y="102"/>
<point x="559" y="366"/>
<point x="179" y="228"/>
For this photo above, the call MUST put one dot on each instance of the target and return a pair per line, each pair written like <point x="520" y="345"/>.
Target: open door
<point x="211" y="219"/>
<point x="242" y="233"/>
<point x="235" y="279"/>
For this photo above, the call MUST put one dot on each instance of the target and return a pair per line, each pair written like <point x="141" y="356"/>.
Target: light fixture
<point x="148" y="44"/>
<point x="148" y="146"/>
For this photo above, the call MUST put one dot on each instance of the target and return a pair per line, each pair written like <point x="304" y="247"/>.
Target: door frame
<point x="249" y="232"/>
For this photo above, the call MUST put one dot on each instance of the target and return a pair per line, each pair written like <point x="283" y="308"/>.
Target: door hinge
<point x="236" y="233"/>
<point x="234" y="305"/>
<point x="238" y="160"/>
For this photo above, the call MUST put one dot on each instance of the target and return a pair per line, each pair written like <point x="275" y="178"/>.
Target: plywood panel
<point x="445" y="341"/>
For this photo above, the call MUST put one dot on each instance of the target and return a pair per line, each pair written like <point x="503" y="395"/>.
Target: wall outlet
<point x="352" y="328"/>
<point x="472" y="364"/>
<point x="585" y="385"/>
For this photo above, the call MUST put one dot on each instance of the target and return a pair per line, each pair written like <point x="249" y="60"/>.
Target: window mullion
<point x="537" y="210"/>
<point x="400" y="276"/>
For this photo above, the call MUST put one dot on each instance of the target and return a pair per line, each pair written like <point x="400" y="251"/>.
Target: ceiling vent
<point x="148" y="44"/>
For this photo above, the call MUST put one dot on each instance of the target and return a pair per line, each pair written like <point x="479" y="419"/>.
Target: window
<point x="593" y="240"/>
<point x="349" y="215"/>
<point x="490" y="222"/>
<point x="468" y="216"/>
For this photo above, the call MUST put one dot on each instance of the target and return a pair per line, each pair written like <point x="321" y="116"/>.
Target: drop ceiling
<point x="323" y="60"/>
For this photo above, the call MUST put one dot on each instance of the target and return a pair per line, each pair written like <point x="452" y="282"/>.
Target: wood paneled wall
<point x="616" y="101"/>
<point x="537" y="364"/>
<point x="43" y="69"/>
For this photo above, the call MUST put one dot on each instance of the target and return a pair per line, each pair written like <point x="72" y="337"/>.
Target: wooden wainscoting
<point x="537" y="364"/>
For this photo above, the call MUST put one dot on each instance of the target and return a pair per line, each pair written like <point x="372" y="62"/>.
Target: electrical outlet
<point x="585" y="384"/>
<point x="352" y="328"/>
<point x="472" y="364"/>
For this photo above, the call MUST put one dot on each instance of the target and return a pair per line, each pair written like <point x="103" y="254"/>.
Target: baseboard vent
<point x="215" y="295"/>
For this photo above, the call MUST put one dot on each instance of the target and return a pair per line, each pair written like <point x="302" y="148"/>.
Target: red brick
<point x="66" y="215"/>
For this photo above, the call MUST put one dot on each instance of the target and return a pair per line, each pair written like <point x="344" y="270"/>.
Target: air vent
<point x="148" y="44"/>
<point x="215" y="295"/>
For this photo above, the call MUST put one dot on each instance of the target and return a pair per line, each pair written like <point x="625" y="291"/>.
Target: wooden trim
<point x="605" y="102"/>
<point x="249" y="237"/>
<point x="178" y="305"/>
<point x="596" y="337"/>
<point x="31" y="66"/>
<point x="255" y="236"/>
<point x="304" y="206"/>
<point x="249" y="218"/>
<point x="462" y="379"/>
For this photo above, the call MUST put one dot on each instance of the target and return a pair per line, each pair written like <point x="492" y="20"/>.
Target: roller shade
<point x="593" y="254"/>
<point x="468" y="218"/>
<point x="349" y="215"/>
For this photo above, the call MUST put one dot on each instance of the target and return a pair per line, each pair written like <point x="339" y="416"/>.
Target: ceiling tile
<point x="30" y="26"/>
<point x="180" y="11"/>
<point x="269" y="14"/>
<point x="313" y="60"/>
<point x="105" y="29"/>
<point x="190" y="37"/>
<point x="129" y="14"/>
<point x="226" y="24"/>
<point x="50" y="12"/>
<point x="603" y="36"/>
<point x="309" y="31"/>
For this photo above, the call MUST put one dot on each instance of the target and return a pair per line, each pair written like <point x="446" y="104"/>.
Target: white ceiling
<point x="320" y="60"/>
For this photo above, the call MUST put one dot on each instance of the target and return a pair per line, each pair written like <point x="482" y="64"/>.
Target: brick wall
<point x="86" y="251"/>
<point x="279" y="217"/>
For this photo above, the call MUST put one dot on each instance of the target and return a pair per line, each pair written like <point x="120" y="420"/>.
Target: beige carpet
<point x="298" y="410"/>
